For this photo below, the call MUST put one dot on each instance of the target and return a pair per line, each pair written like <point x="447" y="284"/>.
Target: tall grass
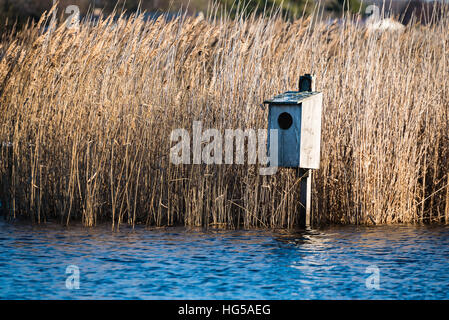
<point x="86" y="118"/>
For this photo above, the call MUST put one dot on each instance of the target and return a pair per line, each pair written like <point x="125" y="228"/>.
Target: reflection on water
<point x="179" y="263"/>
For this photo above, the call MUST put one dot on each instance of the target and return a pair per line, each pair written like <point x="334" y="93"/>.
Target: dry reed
<point x="86" y="117"/>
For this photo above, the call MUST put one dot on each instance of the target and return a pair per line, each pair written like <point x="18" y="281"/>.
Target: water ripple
<point x="179" y="263"/>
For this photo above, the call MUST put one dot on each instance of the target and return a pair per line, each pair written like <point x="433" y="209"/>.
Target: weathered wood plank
<point x="311" y="132"/>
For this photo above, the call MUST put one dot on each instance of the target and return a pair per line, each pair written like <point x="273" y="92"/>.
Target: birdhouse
<point x="297" y="117"/>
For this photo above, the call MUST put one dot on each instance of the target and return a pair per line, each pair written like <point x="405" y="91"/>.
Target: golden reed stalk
<point x="86" y="116"/>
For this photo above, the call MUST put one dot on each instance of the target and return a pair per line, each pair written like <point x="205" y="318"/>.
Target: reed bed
<point x="86" y="117"/>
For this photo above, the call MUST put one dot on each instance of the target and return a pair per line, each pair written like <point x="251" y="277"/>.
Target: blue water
<point x="177" y="263"/>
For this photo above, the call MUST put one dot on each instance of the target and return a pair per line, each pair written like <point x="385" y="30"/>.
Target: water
<point x="178" y="263"/>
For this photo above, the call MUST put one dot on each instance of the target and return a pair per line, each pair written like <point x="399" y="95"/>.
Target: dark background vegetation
<point x="18" y="12"/>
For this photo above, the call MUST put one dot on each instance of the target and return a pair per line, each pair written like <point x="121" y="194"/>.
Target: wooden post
<point x="304" y="197"/>
<point x="306" y="83"/>
<point x="309" y="199"/>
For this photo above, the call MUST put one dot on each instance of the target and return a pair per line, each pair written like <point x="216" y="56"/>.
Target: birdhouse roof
<point x="290" y="98"/>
